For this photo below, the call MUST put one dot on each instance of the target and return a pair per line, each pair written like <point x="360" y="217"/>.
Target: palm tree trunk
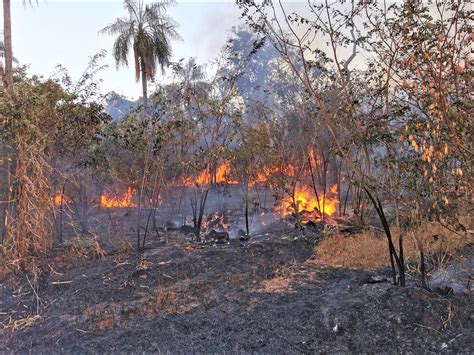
<point x="7" y="78"/>
<point x="7" y="33"/>
<point x="144" y="86"/>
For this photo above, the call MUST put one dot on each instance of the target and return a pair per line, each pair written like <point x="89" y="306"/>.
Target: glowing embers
<point x="306" y="203"/>
<point x="59" y="199"/>
<point x="125" y="200"/>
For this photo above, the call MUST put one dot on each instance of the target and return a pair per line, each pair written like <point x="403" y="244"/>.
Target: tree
<point x="7" y="72"/>
<point x="189" y="74"/>
<point x="148" y="30"/>
<point x="294" y="36"/>
<point x="402" y="125"/>
<point x="48" y="129"/>
<point x="253" y="144"/>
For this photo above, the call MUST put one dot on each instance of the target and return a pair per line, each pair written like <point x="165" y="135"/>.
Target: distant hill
<point x="118" y="107"/>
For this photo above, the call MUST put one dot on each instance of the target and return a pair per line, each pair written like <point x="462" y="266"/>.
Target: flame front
<point x="204" y="178"/>
<point x="265" y="176"/>
<point x="314" y="159"/>
<point x="223" y="173"/>
<point x="306" y="201"/>
<point x="125" y="201"/>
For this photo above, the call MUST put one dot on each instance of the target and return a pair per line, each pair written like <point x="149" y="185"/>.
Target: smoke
<point x="204" y="27"/>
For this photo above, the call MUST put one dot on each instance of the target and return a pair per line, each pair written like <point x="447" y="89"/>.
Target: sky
<point x="51" y="32"/>
<point x="66" y="32"/>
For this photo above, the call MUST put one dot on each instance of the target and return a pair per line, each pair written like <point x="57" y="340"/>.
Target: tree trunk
<point x="391" y="247"/>
<point x="7" y="33"/>
<point x="247" y="229"/>
<point x="423" y="268"/>
<point x="144" y="86"/>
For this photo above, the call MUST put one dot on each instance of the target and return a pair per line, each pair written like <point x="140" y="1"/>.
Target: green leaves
<point x="147" y="30"/>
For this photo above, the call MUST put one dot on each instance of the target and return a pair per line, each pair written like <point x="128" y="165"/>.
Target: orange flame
<point x="124" y="201"/>
<point x="266" y="173"/>
<point x="59" y="199"/>
<point x="263" y="176"/>
<point x="306" y="201"/>
<point x="289" y="170"/>
<point x="204" y="178"/>
<point x="222" y="175"/>
<point x="314" y="159"/>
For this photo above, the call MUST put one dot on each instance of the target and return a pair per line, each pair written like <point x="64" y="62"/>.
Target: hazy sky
<point x="52" y="32"/>
<point x="66" y="32"/>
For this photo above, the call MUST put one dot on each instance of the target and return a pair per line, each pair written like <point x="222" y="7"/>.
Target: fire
<point x="204" y="178"/>
<point x="314" y="159"/>
<point x="59" y="199"/>
<point x="264" y="176"/>
<point x="124" y="201"/>
<point x="306" y="201"/>
<point x="290" y="170"/>
<point x="223" y="173"/>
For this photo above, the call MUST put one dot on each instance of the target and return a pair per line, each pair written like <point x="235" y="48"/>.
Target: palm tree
<point x="2" y="52"/>
<point x="190" y="76"/>
<point x="6" y="47"/>
<point x="147" y="30"/>
<point x="7" y="73"/>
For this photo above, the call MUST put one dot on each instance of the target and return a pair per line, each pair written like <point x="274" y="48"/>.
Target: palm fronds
<point x="148" y="30"/>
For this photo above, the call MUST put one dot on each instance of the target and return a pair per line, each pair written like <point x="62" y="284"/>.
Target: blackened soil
<point x="268" y="295"/>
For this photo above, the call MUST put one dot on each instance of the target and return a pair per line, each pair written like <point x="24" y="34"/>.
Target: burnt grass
<point x="268" y="295"/>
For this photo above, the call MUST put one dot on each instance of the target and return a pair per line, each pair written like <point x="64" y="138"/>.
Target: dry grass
<point x="361" y="251"/>
<point x="11" y="324"/>
<point x="87" y="248"/>
<point x="111" y="315"/>
<point x="101" y="318"/>
<point x="282" y="280"/>
<point x="108" y="322"/>
<point x="370" y="251"/>
<point x="163" y="300"/>
<point x="29" y="226"/>
<point x="276" y="285"/>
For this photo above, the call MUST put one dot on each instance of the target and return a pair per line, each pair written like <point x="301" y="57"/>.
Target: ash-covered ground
<point x="267" y="295"/>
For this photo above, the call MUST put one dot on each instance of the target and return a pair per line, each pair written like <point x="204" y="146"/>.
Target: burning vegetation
<point x="361" y="145"/>
<point x="125" y="200"/>
<point x="59" y="199"/>
<point x="221" y="176"/>
<point x="306" y="201"/>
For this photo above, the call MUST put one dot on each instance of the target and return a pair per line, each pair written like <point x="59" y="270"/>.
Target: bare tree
<point x="296" y="47"/>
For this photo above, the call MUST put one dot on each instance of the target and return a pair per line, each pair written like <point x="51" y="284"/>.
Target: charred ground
<point x="267" y="295"/>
